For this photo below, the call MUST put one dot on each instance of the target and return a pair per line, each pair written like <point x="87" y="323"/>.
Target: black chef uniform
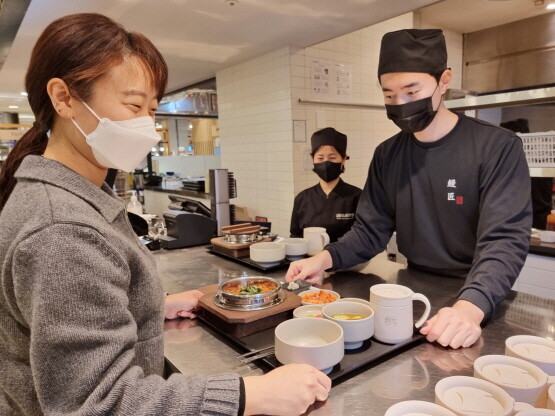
<point x="335" y="212"/>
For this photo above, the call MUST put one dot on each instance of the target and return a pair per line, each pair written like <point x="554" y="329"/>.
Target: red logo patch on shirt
<point x="459" y="200"/>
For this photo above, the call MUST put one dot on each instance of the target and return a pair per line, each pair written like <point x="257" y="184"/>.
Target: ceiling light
<point x="13" y="106"/>
<point x="24" y="93"/>
<point x="550" y="6"/>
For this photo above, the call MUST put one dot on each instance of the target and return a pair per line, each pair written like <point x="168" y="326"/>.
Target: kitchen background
<point x="259" y="59"/>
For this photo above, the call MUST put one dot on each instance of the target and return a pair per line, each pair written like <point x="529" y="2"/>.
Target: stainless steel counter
<point x="410" y="375"/>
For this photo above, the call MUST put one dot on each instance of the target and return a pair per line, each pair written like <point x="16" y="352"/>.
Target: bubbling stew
<point x="252" y="288"/>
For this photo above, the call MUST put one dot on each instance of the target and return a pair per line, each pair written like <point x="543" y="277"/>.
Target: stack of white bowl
<point x="521" y="382"/>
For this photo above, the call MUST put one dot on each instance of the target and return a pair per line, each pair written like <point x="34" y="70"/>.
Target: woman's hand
<point x="287" y="390"/>
<point x="309" y="269"/>
<point x="181" y="305"/>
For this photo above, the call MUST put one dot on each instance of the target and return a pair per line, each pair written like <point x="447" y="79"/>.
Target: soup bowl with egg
<point x="356" y="319"/>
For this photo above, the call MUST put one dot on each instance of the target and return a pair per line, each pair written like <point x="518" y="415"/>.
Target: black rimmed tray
<point x="371" y="351"/>
<point x="248" y="262"/>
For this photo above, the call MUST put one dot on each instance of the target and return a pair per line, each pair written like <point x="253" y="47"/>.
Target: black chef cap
<point x="413" y="50"/>
<point x="329" y="137"/>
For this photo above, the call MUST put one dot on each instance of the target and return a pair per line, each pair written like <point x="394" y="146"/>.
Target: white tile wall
<point x="254" y="101"/>
<point x="365" y="128"/>
<point x="258" y="100"/>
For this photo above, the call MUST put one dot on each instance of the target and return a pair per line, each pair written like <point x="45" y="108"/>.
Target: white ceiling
<point x="200" y="37"/>
<point x="466" y="16"/>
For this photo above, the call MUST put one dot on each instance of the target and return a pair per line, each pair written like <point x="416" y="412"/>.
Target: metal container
<point x="242" y="238"/>
<point x="227" y="300"/>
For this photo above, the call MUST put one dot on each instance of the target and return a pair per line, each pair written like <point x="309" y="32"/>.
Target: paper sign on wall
<point x="331" y="80"/>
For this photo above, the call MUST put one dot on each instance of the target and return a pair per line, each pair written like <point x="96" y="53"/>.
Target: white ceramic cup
<point x="393" y="310"/>
<point x="470" y="396"/>
<point x="524" y="381"/>
<point x="536" y="350"/>
<point x="417" y="407"/>
<point x="551" y="397"/>
<point x="317" y="239"/>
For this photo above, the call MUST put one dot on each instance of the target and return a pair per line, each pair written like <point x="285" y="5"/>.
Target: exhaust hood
<point x="511" y="64"/>
<point x="190" y="103"/>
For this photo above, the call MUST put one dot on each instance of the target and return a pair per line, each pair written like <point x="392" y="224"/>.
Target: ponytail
<point x="32" y="143"/>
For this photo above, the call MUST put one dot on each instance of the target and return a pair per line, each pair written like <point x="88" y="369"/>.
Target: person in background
<point x="455" y="189"/>
<point x="542" y="188"/>
<point x="331" y="203"/>
<point x="81" y="305"/>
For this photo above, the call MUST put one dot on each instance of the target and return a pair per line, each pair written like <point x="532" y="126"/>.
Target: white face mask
<point x="121" y="144"/>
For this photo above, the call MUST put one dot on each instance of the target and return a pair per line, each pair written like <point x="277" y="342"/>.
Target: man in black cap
<point x="331" y="203"/>
<point x="455" y="189"/>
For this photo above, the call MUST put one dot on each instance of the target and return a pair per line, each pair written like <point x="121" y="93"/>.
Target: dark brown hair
<point x="79" y="49"/>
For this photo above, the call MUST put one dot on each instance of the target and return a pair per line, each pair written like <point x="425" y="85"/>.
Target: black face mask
<point x="414" y="116"/>
<point x="327" y="171"/>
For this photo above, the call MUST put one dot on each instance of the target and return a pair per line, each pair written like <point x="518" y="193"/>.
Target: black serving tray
<point x="248" y="262"/>
<point x="354" y="361"/>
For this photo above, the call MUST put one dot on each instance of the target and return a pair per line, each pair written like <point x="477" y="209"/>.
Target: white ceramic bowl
<point x="318" y="342"/>
<point x="311" y="291"/>
<point x="412" y="407"/>
<point x="308" y="311"/>
<point x="267" y="252"/>
<point x="524" y="381"/>
<point x="470" y="396"/>
<point x="295" y="248"/>
<point x="356" y="331"/>
<point x="547" y="236"/>
<point x="536" y="412"/>
<point x="536" y="350"/>
<point x="359" y="300"/>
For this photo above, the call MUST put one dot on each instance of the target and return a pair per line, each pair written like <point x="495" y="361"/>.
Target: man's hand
<point x="309" y="269"/>
<point x="457" y="326"/>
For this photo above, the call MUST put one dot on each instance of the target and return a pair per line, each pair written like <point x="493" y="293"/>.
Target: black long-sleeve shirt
<point x="460" y="206"/>
<point x="335" y="212"/>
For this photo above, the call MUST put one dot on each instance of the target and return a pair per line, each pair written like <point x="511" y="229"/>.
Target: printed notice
<point x="330" y="80"/>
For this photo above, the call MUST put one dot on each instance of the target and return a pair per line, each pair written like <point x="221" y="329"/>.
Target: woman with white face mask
<point x="82" y="306"/>
<point x="331" y="203"/>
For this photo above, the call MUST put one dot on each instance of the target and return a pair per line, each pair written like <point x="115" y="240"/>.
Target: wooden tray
<point x="233" y="249"/>
<point x="242" y="323"/>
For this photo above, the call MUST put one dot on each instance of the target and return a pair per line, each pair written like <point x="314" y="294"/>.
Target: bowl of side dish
<point x="308" y="311"/>
<point x="318" y="296"/>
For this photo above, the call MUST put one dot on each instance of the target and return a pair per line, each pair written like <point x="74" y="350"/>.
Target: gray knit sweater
<point x="81" y="308"/>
